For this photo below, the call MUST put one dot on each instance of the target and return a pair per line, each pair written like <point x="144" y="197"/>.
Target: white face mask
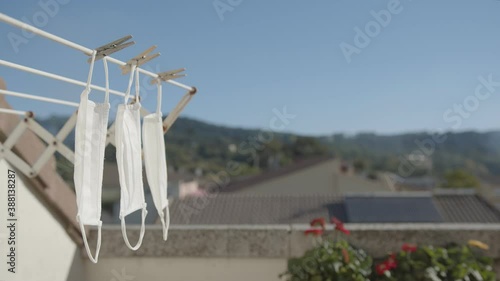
<point x="129" y="159"/>
<point x="90" y="141"/>
<point x="155" y="162"/>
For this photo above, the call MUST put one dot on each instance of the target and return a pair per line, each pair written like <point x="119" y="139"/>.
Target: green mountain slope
<point x="195" y="145"/>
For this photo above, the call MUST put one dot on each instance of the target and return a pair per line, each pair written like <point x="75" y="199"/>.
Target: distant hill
<point x="476" y="152"/>
<point x="193" y="145"/>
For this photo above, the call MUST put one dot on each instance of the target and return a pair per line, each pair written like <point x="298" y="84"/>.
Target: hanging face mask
<point x="90" y="141"/>
<point x="155" y="162"/>
<point x="129" y="159"/>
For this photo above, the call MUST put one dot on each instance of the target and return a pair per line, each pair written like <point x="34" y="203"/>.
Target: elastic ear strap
<point x="87" y="248"/>
<point x="106" y="74"/>
<point x="91" y="71"/>
<point x="137" y="85"/>
<point x="130" y="80"/>
<point x="158" y="98"/>
<point x="166" y="223"/>
<point x="141" y="236"/>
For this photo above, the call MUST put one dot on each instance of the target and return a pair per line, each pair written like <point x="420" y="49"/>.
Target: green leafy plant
<point x="337" y="260"/>
<point x="460" y="179"/>
<point x="330" y="260"/>
<point x="449" y="263"/>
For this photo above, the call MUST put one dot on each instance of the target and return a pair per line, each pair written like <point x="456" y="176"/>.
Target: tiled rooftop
<point x="254" y="209"/>
<point x="406" y="207"/>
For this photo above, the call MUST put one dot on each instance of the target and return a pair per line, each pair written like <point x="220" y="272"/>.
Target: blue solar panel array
<point x="366" y="209"/>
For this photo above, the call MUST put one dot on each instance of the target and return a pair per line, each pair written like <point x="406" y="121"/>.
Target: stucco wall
<point x="255" y="252"/>
<point x="45" y="252"/>
<point x="184" y="269"/>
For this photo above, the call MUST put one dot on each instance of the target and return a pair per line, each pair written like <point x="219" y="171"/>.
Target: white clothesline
<point x="85" y="50"/>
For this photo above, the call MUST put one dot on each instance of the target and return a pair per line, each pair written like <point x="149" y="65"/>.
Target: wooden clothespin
<point x="169" y="75"/>
<point x="139" y="60"/>
<point x="112" y="47"/>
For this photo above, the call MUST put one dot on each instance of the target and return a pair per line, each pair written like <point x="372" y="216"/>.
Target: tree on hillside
<point x="304" y="147"/>
<point x="460" y="179"/>
<point x="273" y="156"/>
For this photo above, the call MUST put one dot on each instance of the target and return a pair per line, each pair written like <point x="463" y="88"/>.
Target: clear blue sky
<point x="271" y="54"/>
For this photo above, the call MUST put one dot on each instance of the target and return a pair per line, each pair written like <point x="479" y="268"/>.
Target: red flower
<point x="387" y="265"/>
<point x="315" y="232"/>
<point x="339" y="225"/>
<point x="409" y="248"/>
<point x="381" y="269"/>
<point x="318" y="221"/>
<point x="391" y="262"/>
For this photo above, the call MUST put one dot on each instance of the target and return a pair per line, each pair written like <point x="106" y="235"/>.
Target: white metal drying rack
<point x="85" y="50"/>
<point x="12" y="111"/>
<point x="55" y="143"/>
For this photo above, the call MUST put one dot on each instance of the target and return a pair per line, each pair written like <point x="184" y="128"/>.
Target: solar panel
<point x="369" y="209"/>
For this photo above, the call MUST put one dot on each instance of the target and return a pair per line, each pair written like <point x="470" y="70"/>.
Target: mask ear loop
<point x="166" y="222"/>
<point x="137" y="86"/>
<point x="91" y="71"/>
<point x="85" y="94"/>
<point x="106" y="73"/>
<point x="144" y="208"/>
<point x="165" y="218"/>
<point x="158" y="99"/>
<point x="99" y="226"/>
<point x="141" y="235"/>
<point x="130" y="81"/>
